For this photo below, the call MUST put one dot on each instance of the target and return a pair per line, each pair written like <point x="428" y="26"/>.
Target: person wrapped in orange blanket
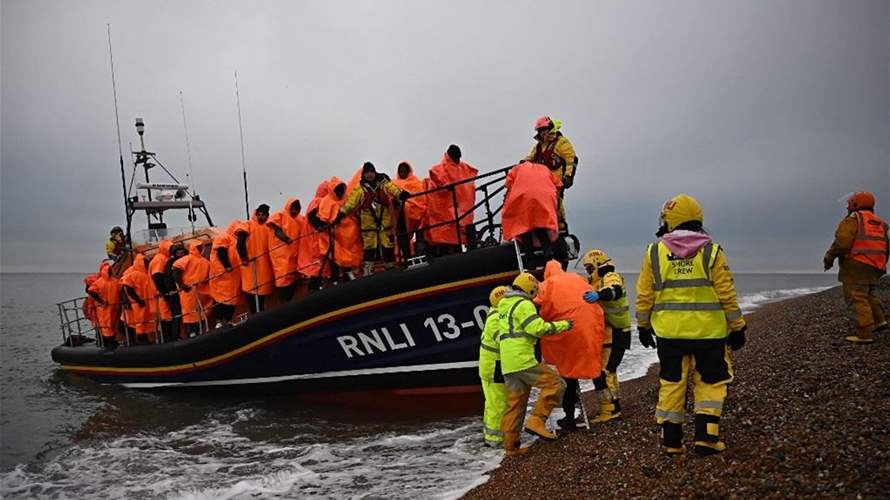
<point x="312" y="260"/>
<point x="225" y="276"/>
<point x="106" y="292"/>
<point x="139" y="304"/>
<point x="285" y="227"/>
<point x="257" y="276"/>
<point x="530" y="208"/>
<point x="440" y="212"/>
<point x="413" y="213"/>
<point x="347" y="237"/>
<point x="191" y="274"/>
<point x="576" y="354"/>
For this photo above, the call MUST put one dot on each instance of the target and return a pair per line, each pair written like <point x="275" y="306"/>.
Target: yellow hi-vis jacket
<point x="520" y="329"/>
<point x="489" y="353"/>
<point x="561" y="148"/>
<point x="617" y="311"/>
<point x="690" y="298"/>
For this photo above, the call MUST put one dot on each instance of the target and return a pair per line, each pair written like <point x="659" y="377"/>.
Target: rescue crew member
<point x="448" y="227"/>
<point x="225" y="277"/>
<point x="161" y="294"/>
<point x="556" y="152"/>
<point x="860" y="244"/>
<point x="520" y="329"/>
<point x="116" y="244"/>
<point x="374" y="197"/>
<point x="257" y="277"/>
<point x="106" y="292"/>
<point x="284" y="247"/>
<point x="410" y="238"/>
<point x="530" y="208"/>
<point x="137" y="297"/>
<point x="490" y="372"/>
<point x="612" y="296"/>
<point x="576" y="354"/>
<point x="686" y="298"/>
<point x="191" y="273"/>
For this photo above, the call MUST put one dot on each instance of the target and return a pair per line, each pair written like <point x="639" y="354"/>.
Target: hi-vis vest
<point x="870" y="245"/>
<point x="686" y="305"/>
<point x="617" y="311"/>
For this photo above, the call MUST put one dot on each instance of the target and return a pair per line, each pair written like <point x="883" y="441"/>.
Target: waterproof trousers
<point x="866" y="308"/>
<point x="495" y="406"/>
<point x="519" y="386"/>
<point x="709" y="365"/>
<point x="616" y="343"/>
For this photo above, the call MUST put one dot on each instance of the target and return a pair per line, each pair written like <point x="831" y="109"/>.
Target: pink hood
<point x="685" y="244"/>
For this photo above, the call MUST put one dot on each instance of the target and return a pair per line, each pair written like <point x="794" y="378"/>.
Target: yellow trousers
<point x="866" y="308"/>
<point x="519" y="386"/>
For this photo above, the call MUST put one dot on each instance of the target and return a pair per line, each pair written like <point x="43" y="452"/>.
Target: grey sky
<point x="767" y="112"/>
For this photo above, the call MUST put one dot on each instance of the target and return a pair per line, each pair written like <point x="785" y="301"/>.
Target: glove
<point x="404" y="195"/>
<point x="245" y="262"/>
<point x="185" y="288"/>
<point x="141" y="303"/>
<point x="338" y="218"/>
<point x="571" y="324"/>
<point x="590" y="297"/>
<point x="647" y="337"/>
<point x="736" y="339"/>
<point x="828" y="262"/>
<point x="568" y="182"/>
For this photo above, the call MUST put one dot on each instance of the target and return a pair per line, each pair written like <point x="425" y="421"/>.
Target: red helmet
<point x="543" y="122"/>
<point x="860" y="200"/>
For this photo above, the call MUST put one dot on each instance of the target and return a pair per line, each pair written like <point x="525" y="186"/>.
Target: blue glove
<point x="590" y="297"/>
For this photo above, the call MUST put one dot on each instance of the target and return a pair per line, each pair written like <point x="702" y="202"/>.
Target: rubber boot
<point x="858" y="340"/>
<point x="609" y="410"/>
<point x="512" y="445"/>
<point x="538" y="426"/>
<point x="672" y="438"/>
<point x="707" y="435"/>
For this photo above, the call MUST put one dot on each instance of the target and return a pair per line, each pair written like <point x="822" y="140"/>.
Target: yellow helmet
<point x="679" y="209"/>
<point x="597" y="258"/>
<point x="497" y="294"/>
<point x="527" y="283"/>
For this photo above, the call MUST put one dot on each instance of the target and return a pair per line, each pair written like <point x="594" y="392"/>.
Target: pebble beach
<point x="808" y="415"/>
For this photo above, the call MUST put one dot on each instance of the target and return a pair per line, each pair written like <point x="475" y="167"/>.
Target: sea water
<point x="64" y="437"/>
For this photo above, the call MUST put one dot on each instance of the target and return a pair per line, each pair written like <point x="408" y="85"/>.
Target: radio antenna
<point x="117" y="124"/>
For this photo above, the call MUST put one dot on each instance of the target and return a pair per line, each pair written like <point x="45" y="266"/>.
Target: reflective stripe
<point x="492" y="432"/>
<point x="552" y="329"/>
<point x="706" y="260"/>
<point x="528" y="321"/>
<point x="670" y="416"/>
<point x="510" y="318"/>
<point x="683" y="306"/>
<point x="644" y="315"/>
<point x="488" y="348"/>
<point x="714" y="405"/>
<point x="733" y="315"/>
<point x="687" y="283"/>
<point x="656" y="265"/>
<point x="869" y="251"/>
<point x="517" y="335"/>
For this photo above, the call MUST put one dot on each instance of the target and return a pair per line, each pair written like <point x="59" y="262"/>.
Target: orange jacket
<point x="531" y="201"/>
<point x="440" y="205"/>
<point x="195" y="272"/>
<point x="89" y="305"/>
<point x="348" y="248"/>
<point x="141" y="319"/>
<point x="107" y="288"/>
<point x="158" y="265"/>
<point x="311" y="256"/>
<point x="577" y="352"/>
<point x="415" y="208"/>
<point x="225" y="286"/>
<point x="285" y="256"/>
<point x="259" y="261"/>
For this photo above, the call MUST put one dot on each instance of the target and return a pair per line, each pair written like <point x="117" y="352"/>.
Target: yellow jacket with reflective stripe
<point x="690" y="298"/>
<point x="564" y="149"/>
<point x="617" y="311"/>
<point x="520" y="329"/>
<point x="488" y="346"/>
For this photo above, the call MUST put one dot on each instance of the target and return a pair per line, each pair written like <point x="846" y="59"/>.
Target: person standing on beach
<point x="860" y="244"/>
<point x="520" y="329"/>
<point x="612" y="294"/>
<point x="490" y="372"/>
<point x="686" y="298"/>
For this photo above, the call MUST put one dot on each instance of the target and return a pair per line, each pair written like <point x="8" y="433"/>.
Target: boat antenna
<point x="256" y="285"/>
<point x="117" y="124"/>
<point x="188" y="152"/>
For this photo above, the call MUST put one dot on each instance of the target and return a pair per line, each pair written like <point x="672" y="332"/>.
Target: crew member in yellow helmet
<point x="686" y="299"/>
<point x="609" y="285"/>
<point x="520" y="329"/>
<point x="490" y="372"/>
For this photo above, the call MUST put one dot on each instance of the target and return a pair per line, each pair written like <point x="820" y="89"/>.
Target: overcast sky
<point x="766" y="111"/>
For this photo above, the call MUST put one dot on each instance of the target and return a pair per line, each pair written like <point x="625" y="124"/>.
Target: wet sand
<point x="807" y="416"/>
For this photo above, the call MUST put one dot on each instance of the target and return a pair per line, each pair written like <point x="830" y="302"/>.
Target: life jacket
<point x="686" y="305"/>
<point x="546" y="155"/>
<point x="374" y="194"/>
<point x="870" y="245"/>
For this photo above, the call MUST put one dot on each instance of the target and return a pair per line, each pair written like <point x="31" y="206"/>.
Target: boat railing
<point x="76" y="328"/>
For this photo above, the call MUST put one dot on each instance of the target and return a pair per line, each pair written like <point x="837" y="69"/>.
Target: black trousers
<point x="252" y="302"/>
<point x="225" y="312"/>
